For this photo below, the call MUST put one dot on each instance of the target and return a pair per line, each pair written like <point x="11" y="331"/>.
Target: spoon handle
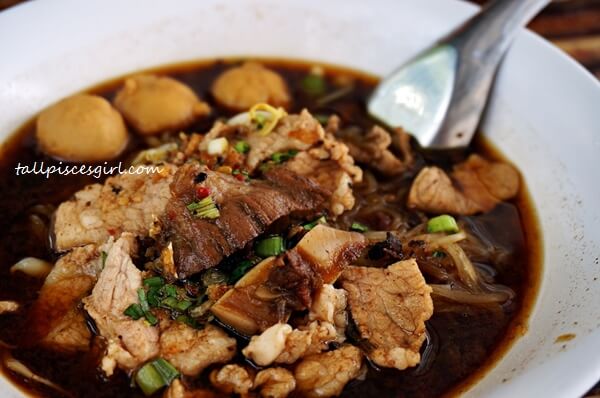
<point x="480" y="44"/>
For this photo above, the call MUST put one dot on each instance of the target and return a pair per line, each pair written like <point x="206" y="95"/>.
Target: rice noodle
<point x="439" y="240"/>
<point x="19" y="368"/>
<point x="464" y="267"/>
<point x="462" y="296"/>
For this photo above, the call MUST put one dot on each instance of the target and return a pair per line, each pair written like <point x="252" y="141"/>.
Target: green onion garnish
<point x="240" y="271"/>
<point x="241" y="147"/>
<point x="153" y="295"/>
<point x="183" y="305"/>
<point x="155" y="281"/>
<point x="443" y="223"/>
<point x="356" y="226"/>
<point x="312" y="224"/>
<point x="146" y="307"/>
<point x="155" y="375"/>
<point x="280" y="157"/>
<point x="134" y="311"/>
<point x="169" y="290"/>
<point x="205" y="208"/>
<point x="313" y="85"/>
<point x="271" y="246"/>
<point x="104" y="256"/>
<point x="169" y="302"/>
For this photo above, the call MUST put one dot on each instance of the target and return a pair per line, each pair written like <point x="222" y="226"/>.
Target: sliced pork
<point x="56" y="321"/>
<point x="130" y="342"/>
<point x="390" y="307"/>
<point x="124" y="203"/>
<point x="326" y="374"/>
<point x="474" y="186"/>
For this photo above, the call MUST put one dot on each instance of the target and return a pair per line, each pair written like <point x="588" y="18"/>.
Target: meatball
<point x="242" y="87"/>
<point x="153" y="104"/>
<point x="81" y="128"/>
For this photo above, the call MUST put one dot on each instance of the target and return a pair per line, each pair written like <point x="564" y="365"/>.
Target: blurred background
<point x="573" y="25"/>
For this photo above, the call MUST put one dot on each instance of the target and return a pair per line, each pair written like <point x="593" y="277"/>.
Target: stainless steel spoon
<point x="439" y="95"/>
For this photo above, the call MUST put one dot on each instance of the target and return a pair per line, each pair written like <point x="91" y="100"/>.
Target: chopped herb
<point x="134" y="311"/>
<point x="146" y="307"/>
<point x="271" y="246"/>
<point x="280" y="157"/>
<point x="314" y="223"/>
<point x="240" y="270"/>
<point x="313" y="85"/>
<point x="188" y="320"/>
<point x="104" y="256"/>
<point x="155" y="281"/>
<point x="356" y="226"/>
<point x="242" y="146"/>
<point x="155" y="375"/>
<point x="205" y="208"/>
<point x="169" y="302"/>
<point x="170" y="290"/>
<point x="183" y="305"/>
<point x="143" y="300"/>
<point x="154" y="295"/>
<point x="443" y="223"/>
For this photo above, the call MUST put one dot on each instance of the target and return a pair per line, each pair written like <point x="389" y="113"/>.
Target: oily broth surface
<point x="466" y="342"/>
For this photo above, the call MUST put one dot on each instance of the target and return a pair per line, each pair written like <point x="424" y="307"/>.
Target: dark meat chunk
<point x="246" y="209"/>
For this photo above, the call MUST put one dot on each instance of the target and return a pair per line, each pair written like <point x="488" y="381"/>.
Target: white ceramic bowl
<point x="544" y="115"/>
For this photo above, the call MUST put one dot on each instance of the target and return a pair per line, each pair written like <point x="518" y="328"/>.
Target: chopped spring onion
<point x="170" y="290"/>
<point x="154" y="296"/>
<point x="213" y="277"/>
<point x="104" y="257"/>
<point x="218" y="146"/>
<point x="241" y="147"/>
<point x="134" y="311"/>
<point x="313" y="85"/>
<point x="174" y="304"/>
<point x="280" y="157"/>
<point x="155" y="281"/>
<point x="146" y="307"/>
<point x="205" y="208"/>
<point x="240" y="270"/>
<point x="155" y="375"/>
<point x="312" y="224"/>
<point x="271" y="246"/>
<point x="266" y="123"/>
<point x="443" y="223"/>
<point x="356" y="226"/>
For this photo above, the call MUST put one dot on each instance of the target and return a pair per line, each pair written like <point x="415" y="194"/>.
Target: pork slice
<point x="191" y="350"/>
<point x="130" y="342"/>
<point x="474" y="186"/>
<point x="390" y="307"/>
<point x="373" y="149"/>
<point x="246" y="209"/>
<point x="124" y="203"/>
<point x="55" y="320"/>
<point x="326" y="374"/>
<point x="331" y="167"/>
<point x="298" y="132"/>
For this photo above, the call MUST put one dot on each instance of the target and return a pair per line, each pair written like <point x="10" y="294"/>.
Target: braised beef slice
<point x="246" y="209"/>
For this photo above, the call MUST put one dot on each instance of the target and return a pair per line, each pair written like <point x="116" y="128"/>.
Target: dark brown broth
<point x="466" y="343"/>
